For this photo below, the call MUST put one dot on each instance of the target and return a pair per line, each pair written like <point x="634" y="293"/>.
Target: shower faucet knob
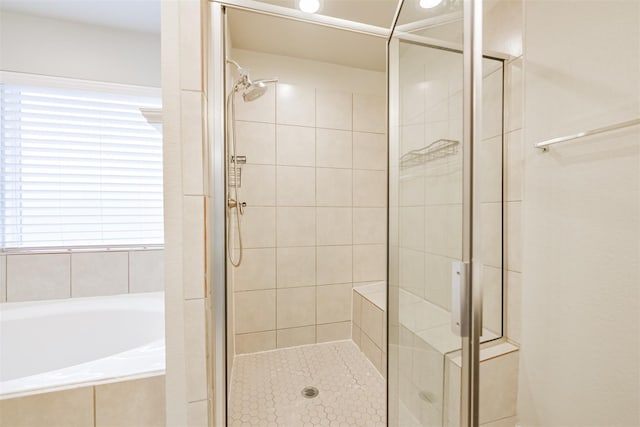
<point x="233" y="203"/>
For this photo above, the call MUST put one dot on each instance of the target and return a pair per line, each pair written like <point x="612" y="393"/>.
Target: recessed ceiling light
<point x="429" y="4"/>
<point x="309" y="6"/>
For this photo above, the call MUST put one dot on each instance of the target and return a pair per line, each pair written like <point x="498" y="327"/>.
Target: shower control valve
<point x="233" y="203"/>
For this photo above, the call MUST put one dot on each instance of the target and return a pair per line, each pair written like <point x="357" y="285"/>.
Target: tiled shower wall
<point x="430" y="193"/>
<point x="31" y="277"/>
<point x="315" y="222"/>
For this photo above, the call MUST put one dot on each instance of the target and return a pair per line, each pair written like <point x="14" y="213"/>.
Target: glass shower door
<point x="429" y="364"/>
<point x="426" y="232"/>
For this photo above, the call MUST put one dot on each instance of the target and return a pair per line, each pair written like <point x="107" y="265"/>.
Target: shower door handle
<point x="460" y="274"/>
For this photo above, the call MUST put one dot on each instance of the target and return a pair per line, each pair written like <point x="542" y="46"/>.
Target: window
<point x="78" y="167"/>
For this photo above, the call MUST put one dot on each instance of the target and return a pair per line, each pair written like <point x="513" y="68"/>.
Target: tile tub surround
<point x="45" y="276"/>
<point x="128" y="403"/>
<point x="369" y="326"/>
<point x="315" y="222"/>
<point x="351" y="392"/>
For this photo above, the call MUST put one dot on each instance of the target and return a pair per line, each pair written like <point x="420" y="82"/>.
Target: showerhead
<point x="256" y="89"/>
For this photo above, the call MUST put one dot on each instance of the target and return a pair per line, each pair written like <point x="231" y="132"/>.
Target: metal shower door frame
<point x="216" y="119"/>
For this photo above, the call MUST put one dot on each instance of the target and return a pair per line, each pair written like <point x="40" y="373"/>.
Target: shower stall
<point x="357" y="235"/>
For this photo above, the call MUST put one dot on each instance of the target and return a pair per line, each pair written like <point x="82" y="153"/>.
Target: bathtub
<point x="59" y="344"/>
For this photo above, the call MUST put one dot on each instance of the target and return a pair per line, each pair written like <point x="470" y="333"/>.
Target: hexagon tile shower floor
<point x="266" y="388"/>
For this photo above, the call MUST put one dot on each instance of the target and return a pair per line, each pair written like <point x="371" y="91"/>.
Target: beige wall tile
<point x="296" y="186"/>
<point x="3" y="276"/>
<point x="513" y="231"/>
<point x="146" y="271"/>
<point x="505" y="422"/>
<point x="411" y="137"/>
<point x="69" y="408"/>
<point x="193" y="255"/>
<point x="369" y="151"/>
<point x="296" y="226"/>
<point x="333" y="332"/>
<point x="197" y="414"/>
<point x="195" y="349"/>
<point x="334" y="226"/>
<point x="334" y="264"/>
<point x="333" y="187"/>
<point x="296" y="336"/>
<point x="333" y="109"/>
<point x="369" y="225"/>
<point x="498" y="387"/>
<point x="258" y="227"/>
<point x="296" y="307"/>
<point x="190" y="47"/>
<point x="411" y="273"/>
<point x="444" y="230"/>
<point x="192" y="142"/>
<point x="38" y="277"/>
<point x="333" y="148"/>
<point x="333" y="303"/>
<point x="356" y="312"/>
<point x="255" y="311"/>
<point x="514" y="304"/>
<point x="296" y="145"/>
<point x="356" y="335"/>
<point x="257" y="141"/>
<point x="258" y="185"/>
<point x="296" y="266"/>
<point x="99" y="273"/>
<point x="131" y="403"/>
<point x="369" y="113"/>
<point x="492" y="299"/>
<point x="372" y="319"/>
<point x="254" y="342"/>
<point x="296" y="105"/>
<point x="438" y="280"/>
<point x="372" y="351"/>
<point x="514" y="164"/>
<point x="427" y="369"/>
<point x="489" y="234"/>
<point x="412" y="227"/>
<point x="489" y="183"/>
<point x="262" y="109"/>
<point x="369" y="188"/>
<point x="257" y="270"/>
<point x="492" y="104"/>
<point x="369" y="263"/>
<point x="513" y="95"/>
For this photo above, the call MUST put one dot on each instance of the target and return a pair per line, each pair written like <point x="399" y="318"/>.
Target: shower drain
<point x="309" y="392"/>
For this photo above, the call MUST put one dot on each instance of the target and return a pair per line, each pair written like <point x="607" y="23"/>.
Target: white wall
<point x="580" y="358"/>
<point x="51" y="47"/>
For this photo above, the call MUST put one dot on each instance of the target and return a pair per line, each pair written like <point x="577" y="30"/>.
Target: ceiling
<point x="373" y="12"/>
<point x="135" y="15"/>
<point x="252" y="31"/>
<point x="269" y="34"/>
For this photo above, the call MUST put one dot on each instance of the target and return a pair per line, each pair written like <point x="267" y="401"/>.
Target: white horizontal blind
<point x="78" y="168"/>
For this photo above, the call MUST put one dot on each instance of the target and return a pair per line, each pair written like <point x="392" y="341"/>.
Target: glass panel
<point x="425" y="219"/>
